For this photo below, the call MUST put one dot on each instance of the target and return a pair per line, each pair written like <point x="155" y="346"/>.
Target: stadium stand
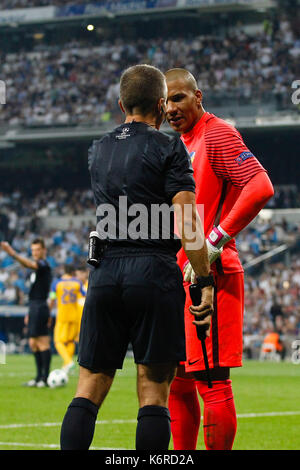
<point x="11" y="4"/>
<point x="77" y="82"/>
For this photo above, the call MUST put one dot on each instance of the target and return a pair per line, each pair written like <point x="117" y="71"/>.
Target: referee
<point x="135" y="294"/>
<point x="38" y="318"/>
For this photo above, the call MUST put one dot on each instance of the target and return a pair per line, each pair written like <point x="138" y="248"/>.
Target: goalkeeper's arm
<point x="253" y="197"/>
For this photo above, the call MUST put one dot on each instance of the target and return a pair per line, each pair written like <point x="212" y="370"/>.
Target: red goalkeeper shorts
<point x="225" y="343"/>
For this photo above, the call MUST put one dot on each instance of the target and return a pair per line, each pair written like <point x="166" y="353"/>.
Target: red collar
<point x="188" y="136"/>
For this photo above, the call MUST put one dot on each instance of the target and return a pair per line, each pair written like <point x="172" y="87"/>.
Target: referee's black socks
<point x="78" y="426"/>
<point x="39" y="365"/>
<point x="45" y="362"/>
<point x="153" y="430"/>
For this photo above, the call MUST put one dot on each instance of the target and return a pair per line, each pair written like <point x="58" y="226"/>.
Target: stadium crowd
<point x="273" y="300"/>
<point x="77" y="83"/>
<point x="285" y="197"/>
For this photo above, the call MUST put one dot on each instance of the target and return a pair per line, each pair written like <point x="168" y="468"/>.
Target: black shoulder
<point x="163" y="138"/>
<point x="170" y="144"/>
<point x="43" y="264"/>
<point x="92" y="151"/>
<point x="166" y="143"/>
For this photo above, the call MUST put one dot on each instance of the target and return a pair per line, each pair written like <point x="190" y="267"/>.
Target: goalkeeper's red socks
<point x="185" y="413"/>
<point x="220" y="421"/>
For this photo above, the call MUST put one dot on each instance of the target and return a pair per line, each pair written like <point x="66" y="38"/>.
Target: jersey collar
<point x="197" y="128"/>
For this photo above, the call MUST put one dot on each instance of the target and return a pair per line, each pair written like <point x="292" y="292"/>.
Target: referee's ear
<point x="121" y="106"/>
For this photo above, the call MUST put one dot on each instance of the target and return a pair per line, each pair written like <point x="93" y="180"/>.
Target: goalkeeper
<point x="233" y="187"/>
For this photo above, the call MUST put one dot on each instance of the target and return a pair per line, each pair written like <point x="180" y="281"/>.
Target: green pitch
<point x="267" y="401"/>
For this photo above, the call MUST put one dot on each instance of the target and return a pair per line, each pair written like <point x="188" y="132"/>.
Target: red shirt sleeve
<point x="252" y="199"/>
<point x="228" y="155"/>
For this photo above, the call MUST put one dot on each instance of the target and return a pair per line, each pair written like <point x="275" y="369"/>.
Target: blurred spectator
<point x="275" y="311"/>
<point x="273" y="342"/>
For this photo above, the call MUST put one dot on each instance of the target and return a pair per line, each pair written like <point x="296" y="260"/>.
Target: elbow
<point x="266" y="191"/>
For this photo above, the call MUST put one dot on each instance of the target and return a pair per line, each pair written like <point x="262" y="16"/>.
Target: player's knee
<point x="159" y="373"/>
<point x="154" y="383"/>
<point x="43" y="342"/>
<point x="94" y="386"/>
<point x="33" y="344"/>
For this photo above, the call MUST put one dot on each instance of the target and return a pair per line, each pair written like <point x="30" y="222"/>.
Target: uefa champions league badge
<point x="124" y="134"/>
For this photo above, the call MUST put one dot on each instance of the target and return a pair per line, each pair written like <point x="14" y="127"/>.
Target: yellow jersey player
<point x="65" y="292"/>
<point x="82" y="274"/>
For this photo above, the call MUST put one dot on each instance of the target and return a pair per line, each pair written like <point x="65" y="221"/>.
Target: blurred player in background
<point x="233" y="187"/>
<point x="38" y="319"/>
<point x="82" y="274"/>
<point x="65" y="293"/>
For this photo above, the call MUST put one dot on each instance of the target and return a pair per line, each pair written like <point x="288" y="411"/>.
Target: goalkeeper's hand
<point x="215" y="242"/>
<point x="189" y="274"/>
<point x="213" y="253"/>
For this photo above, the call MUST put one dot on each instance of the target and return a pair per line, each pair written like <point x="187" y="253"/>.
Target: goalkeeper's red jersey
<point x="222" y="166"/>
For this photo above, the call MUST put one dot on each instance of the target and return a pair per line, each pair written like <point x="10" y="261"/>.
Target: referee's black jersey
<point x="135" y="172"/>
<point x="40" y="281"/>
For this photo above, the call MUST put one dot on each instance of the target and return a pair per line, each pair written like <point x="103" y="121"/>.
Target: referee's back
<point x="136" y="293"/>
<point x="135" y="172"/>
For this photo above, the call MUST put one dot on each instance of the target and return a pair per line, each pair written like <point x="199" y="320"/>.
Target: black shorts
<point x="133" y="299"/>
<point x="38" y="317"/>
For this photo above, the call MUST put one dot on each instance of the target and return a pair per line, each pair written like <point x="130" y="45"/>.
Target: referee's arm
<point x="191" y="231"/>
<point x="27" y="263"/>
<point x="193" y="241"/>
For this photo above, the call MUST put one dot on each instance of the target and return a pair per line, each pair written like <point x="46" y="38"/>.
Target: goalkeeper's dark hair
<point x="141" y="87"/>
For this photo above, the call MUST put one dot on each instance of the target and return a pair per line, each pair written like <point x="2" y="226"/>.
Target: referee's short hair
<point x="141" y="87"/>
<point x="39" y="241"/>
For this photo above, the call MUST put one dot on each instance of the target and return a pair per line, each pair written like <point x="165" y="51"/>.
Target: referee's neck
<point x="150" y="120"/>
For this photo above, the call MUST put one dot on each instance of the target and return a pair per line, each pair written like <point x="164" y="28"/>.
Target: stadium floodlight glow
<point x="90" y="27"/>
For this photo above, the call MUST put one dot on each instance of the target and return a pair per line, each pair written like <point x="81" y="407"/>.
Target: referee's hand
<point x="203" y="312"/>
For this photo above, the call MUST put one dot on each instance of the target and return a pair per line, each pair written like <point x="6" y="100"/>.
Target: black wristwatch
<point x="205" y="281"/>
